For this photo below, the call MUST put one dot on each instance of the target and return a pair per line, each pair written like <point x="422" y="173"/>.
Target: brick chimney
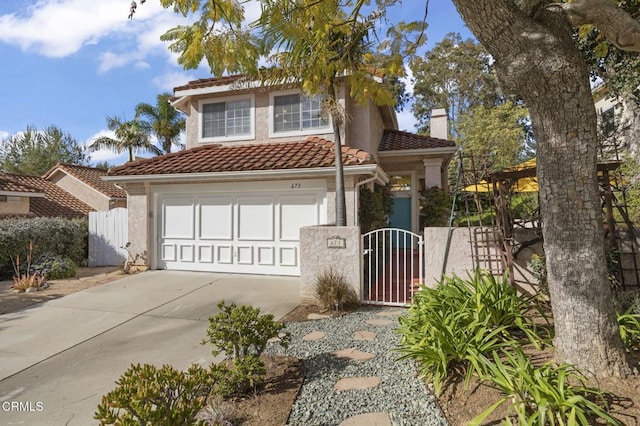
<point x="438" y="124"/>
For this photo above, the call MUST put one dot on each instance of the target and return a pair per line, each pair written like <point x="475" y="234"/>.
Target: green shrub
<point x="53" y="236"/>
<point x="243" y="376"/>
<point x="436" y="203"/>
<point x="54" y="267"/>
<point x="333" y="291"/>
<point x="164" y="396"/>
<point x="239" y="331"/>
<point x="458" y="324"/>
<point x="545" y="395"/>
<point x="629" y="327"/>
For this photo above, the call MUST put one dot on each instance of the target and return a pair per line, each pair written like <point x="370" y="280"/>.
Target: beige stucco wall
<point x="459" y="261"/>
<point x="82" y="191"/>
<point x="13" y="207"/>
<point x="350" y="200"/>
<point x="139" y="211"/>
<point x="316" y="257"/>
<point x="261" y="104"/>
<point x="363" y="127"/>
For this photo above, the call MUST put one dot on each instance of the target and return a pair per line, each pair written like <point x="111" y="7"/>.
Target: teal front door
<point x="401" y="218"/>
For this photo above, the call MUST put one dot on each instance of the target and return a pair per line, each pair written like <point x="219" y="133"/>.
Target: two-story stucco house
<point x="259" y="165"/>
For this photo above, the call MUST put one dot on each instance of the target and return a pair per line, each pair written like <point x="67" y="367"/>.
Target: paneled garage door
<point x="250" y="232"/>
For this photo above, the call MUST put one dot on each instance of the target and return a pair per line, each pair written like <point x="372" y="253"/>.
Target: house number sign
<point x="336" y="242"/>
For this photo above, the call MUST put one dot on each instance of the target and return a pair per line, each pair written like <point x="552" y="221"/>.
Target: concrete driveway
<point x="59" y="358"/>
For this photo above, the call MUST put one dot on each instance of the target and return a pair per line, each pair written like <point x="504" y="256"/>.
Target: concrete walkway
<point x="59" y="358"/>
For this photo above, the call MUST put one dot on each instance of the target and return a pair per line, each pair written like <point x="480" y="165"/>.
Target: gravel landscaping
<point x="400" y="393"/>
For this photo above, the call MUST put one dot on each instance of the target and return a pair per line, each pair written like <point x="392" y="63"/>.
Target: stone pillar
<point x="138" y="217"/>
<point x="432" y="172"/>
<point x="324" y="248"/>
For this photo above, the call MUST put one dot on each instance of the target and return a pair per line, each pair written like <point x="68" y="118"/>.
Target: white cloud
<point x="406" y="120"/>
<point x="4" y="135"/>
<point x="167" y="81"/>
<point x="59" y="28"/>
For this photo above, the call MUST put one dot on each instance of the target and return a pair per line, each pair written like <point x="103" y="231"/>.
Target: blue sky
<point x="72" y="63"/>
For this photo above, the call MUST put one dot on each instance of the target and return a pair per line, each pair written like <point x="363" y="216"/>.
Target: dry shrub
<point x="333" y="291"/>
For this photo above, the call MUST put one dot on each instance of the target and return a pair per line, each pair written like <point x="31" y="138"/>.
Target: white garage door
<point x="236" y="231"/>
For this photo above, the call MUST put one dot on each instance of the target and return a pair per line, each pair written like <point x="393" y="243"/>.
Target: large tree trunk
<point x="537" y="60"/>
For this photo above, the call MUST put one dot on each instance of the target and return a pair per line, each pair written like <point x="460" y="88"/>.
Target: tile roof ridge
<point x="361" y="155"/>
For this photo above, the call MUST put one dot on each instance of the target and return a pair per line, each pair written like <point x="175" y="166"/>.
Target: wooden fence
<point x="108" y="235"/>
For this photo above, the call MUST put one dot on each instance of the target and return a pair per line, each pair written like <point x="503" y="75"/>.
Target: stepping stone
<point x="357" y="383"/>
<point x="380" y="322"/>
<point x="314" y="335"/>
<point x="354" y="354"/>
<point x="315" y="316"/>
<point x="364" y="335"/>
<point x="391" y="313"/>
<point x="368" y="419"/>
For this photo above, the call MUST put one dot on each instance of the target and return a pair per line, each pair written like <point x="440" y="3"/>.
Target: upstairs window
<point x="230" y="119"/>
<point x="295" y="113"/>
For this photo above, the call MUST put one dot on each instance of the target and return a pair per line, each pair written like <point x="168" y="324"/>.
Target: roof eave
<point x="245" y="175"/>
<point x="446" y="150"/>
<point x="22" y="194"/>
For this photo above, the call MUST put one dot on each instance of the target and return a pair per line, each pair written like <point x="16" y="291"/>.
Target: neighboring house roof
<point x="7" y="185"/>
<point x="314" y="152"/>
<point x="210" y="82"/>
<point x="396" y="140"/>
<point x="56" y="201"/>
<point x="90" y="176"/>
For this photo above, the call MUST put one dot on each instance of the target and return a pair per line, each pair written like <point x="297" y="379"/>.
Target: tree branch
<point x="613" y="22"/>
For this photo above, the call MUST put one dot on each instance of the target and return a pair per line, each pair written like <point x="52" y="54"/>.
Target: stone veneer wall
<point x="316" y="257"/>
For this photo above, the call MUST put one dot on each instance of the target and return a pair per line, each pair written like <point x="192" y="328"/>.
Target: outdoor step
<point x="364" y="335"/>
<point x="354" y="354"/>
<point x="314" y="316"/>
<point x="379" y="322"/>
<point x="368" y="419"/>
<point x="357" y="383"/>
<point x="314" y="335"/>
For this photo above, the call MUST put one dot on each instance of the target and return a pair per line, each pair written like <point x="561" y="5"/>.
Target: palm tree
<point x="130" y="135"/>
<point x="166" y="122"/>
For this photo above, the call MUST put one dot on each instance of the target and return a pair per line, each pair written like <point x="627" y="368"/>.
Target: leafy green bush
<point x="54" y="267"/>
<point x="436" y="203"/>
<point x="164" y="396"/>
<point x="629" y="327"/>
<point x="239" y="331"/>
<point x="461" y="322"/>
<point x="375" y="207"/>
<point x="54" y="236"/>
<point x="244" y="375"/>
<point x="242" y="334"/>
<point x="542" y="395"/>
<point x="333" y="291"/>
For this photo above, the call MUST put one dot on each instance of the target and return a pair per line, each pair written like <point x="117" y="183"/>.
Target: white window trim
<point x="273" y="134"/>
<point x="252" y="114"/>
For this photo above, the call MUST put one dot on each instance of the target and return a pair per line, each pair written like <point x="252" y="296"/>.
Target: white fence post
<point x="108" y="234"/>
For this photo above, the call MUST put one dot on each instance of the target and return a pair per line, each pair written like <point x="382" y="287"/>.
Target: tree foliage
<point x="456" y="75"/>
<point x="34" y="152"/>
<point x="495" y="136"/>
<point x="166" y="122"/>
<point x="130" y="136"/>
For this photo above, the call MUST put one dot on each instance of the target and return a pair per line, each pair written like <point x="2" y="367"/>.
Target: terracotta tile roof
<point x="311" y="153"/>
<point x="395" y="140"/>
<point x="210" y="82"/>
<point x="92" y="177"/>
<point x="9" y="185"/>
<point x="56" y="201"/>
